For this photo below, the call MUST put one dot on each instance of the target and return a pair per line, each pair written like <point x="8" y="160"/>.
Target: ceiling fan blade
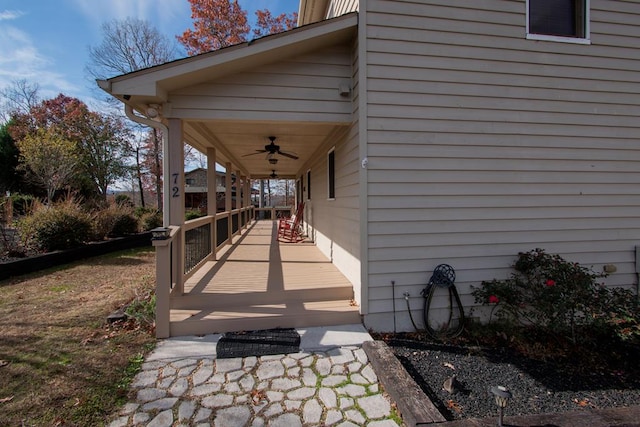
<point x="253" y="154"/>
<point x="291" y="156"/>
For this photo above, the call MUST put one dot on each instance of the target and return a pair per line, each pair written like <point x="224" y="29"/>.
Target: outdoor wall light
<point x="160" y="233"/>
<point x="502" y="395"/>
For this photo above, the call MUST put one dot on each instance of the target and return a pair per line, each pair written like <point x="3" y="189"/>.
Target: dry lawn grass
<point x="61" y="364"/>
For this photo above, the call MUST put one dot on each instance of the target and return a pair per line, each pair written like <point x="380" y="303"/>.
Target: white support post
<point x="176" y="196"/>
<point x="212" y="198"/>
<point x="227" y="200"/>
<point x="238" y="198"/>
<point x="247" y="199"/>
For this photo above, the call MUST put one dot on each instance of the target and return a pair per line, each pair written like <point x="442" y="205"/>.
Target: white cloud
<point x="21" y="59"/>
<point x="8" y="15"/>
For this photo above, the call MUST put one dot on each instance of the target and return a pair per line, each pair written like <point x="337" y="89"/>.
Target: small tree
<point x="18" y="98"/>
<point x="9" y="175"/>
<point x="128" y="45"/>
<point x="49" y="159"/>
<point x="104" y="148"/>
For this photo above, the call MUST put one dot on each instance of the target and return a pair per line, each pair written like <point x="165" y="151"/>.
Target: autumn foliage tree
<point x="217" y="24"/>
<point x="268" y="24"/>
<point x="101" y="143"/>
<point x="49" y="159"/>
<point x="221" y="23"/>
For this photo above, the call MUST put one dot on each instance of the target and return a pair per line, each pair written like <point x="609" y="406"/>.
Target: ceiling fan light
<point x="273" y="160"/>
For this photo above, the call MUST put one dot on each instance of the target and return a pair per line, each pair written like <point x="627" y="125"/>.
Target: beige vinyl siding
<point x="303" y="88"/>
<point x="341" y="7"/>
<point x="483" y="144"/>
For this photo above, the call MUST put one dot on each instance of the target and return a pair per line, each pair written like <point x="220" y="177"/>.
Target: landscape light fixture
<point x="160" y="233"/>
<point x="502" y="395"/>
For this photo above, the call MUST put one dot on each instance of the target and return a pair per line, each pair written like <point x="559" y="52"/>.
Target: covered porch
<point x="257" y="282"/>
<point x="279" y="107"/>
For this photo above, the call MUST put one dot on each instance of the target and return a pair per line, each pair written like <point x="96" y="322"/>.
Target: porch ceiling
<point x="234" y="137"/>
<point x="234" y="140"/>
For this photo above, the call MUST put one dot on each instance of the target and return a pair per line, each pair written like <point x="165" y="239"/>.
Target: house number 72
<point x="175" y="190"/>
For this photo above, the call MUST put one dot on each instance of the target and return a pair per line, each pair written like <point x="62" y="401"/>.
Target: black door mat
<point x="258" y="343"/>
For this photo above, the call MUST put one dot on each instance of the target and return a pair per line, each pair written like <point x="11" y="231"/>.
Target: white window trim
<point x="577" y="40"/>
<point x="332" y="150"/>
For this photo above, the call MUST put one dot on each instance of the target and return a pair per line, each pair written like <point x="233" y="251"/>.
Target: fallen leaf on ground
<point x="3" y="363"/>
<point x="451" y="404"/>
<point x="258" y="395"/>
<point x="582" y="402"/>
<point x="449" y="365"/>
<point x="6" y="399"/>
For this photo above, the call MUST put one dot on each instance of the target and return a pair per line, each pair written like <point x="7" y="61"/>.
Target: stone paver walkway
<point x="331" y="386"/>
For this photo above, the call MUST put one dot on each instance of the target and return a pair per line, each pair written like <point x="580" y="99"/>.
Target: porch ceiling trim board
<point x="152" y="85"/>
<point x="201" y="137"/>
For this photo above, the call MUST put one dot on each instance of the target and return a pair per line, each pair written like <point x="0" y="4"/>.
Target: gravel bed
<point x="537" y="387"/>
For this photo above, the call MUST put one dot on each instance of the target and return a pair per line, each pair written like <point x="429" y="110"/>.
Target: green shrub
<point x="193" y="214"/>
<point x="124" y="225"/>
<point x="62" y="225"/>
<point x="123" y="200"/>
<point x="619" y="315"/>
<point x="561" y="298"/>
<point x="115" y="220"/>
<point x="22" y="203"/>
<point x="150" y="220"/>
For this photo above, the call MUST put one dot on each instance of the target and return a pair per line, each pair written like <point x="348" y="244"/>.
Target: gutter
<point x="128" y="110"/>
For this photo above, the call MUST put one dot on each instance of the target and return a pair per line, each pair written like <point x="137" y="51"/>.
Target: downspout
<point x="128" y="110"/>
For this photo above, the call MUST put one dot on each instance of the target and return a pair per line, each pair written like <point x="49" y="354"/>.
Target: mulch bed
<point x="539" y="386"/>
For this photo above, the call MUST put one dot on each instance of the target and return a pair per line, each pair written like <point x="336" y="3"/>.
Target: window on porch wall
<point x="331" y="173"/>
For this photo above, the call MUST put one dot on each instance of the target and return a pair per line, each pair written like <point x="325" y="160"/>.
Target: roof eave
<point x="153" y="84"/>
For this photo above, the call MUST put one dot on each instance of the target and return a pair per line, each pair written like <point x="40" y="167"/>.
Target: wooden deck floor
<point x="260" y="283"/>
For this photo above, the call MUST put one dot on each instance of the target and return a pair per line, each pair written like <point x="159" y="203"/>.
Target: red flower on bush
<point x="550" y="282"/>
<point x="493" y="299"/>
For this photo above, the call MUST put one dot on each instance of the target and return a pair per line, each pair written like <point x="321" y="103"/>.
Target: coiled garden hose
<point x="443" y="277"/>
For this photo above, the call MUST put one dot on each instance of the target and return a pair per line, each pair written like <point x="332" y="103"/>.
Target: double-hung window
<point x="558" y="20"/>
<point x="331" y="174"/>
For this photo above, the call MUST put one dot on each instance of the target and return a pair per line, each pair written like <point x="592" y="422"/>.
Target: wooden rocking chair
<point x="290" y="229"/>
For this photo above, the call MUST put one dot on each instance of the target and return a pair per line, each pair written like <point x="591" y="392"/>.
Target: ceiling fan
<point x="273" y="175"/>
<point x="272" y="149"/>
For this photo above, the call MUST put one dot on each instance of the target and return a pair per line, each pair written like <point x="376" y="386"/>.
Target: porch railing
<point x="188" y="247"/>
<point x="272" y="212"/>
<point x="197" y="242"/>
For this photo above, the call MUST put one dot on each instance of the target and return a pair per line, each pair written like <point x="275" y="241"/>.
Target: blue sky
<point x="47" y="41"/>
